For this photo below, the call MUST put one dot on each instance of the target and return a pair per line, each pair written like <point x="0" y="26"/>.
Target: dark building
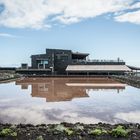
<point x="58" y="61"/>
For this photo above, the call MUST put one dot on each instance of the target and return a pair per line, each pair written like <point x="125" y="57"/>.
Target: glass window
<point x="40" y="66"/>
<point x="45" y="62"/>
<point x="64" y="57"/>
<point x="58" y="56"/>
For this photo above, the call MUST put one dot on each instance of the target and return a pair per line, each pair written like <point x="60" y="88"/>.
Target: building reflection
<point x="66" y="89"/>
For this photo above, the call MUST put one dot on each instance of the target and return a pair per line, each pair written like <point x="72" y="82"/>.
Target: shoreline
<point x="8" y="80"/>
<point x="8" y="76"/>
<point x="130" y="80"/>
<point x="67" y="131"/>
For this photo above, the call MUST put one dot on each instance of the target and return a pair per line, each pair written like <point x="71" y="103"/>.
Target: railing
<point x="96" y="60"/>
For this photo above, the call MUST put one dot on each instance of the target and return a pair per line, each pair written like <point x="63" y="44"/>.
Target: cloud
<point x="39" y="14"/>
<point x="76" y="10"/>
<point x="132" y="17"/>
<point x="133" y="117"/>
<point x="7" y="35"/>
<point x="16" y="115"/>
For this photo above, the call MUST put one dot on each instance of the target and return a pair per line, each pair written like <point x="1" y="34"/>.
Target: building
<point x="66" y="62"/>
<point x="57" y="60"/>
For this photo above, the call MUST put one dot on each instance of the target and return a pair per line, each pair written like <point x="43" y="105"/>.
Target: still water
<point x="55" y="100"/>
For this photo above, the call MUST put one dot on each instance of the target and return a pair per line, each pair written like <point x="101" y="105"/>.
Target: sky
<point x="107" y="29"/>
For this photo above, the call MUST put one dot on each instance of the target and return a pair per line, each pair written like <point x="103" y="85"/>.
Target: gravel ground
<point x="66" y="131"/>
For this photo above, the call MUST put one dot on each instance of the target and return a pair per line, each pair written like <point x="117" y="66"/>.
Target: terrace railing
<point x="96" y="61"/>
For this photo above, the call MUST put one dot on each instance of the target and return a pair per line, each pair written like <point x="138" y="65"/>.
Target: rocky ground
<point x="6" y="75"/>
<point x="66" y="131"/>
<point x="132" y="80"/>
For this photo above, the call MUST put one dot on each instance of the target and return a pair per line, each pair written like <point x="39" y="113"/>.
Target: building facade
<point x="58" y="62"/>
<point x="56" y="59"/>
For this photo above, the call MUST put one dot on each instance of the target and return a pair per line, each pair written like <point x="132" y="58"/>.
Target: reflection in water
<point x="58" y="89"/>
<point x="85" y="100"/>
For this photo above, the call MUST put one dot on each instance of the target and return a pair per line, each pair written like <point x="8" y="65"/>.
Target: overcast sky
<point x="107" y="29"/>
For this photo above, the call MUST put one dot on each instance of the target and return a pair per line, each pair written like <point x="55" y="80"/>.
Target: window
<point x="64" y="57"/>
<point x="40" y="66"/>
<point x="24" y="66"/>
<point x="44" y="62"/>
<point x="58" y="56"/>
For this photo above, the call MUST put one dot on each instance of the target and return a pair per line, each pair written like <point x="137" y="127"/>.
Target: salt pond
<point x="55" y="100"/>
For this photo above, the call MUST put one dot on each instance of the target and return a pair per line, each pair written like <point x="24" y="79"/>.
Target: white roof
<point x="97" y="68"/>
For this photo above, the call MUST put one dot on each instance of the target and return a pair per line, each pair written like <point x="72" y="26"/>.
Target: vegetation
<point x="39" y="138"/>
<point x="120" y="131"/>
<point x="69" y="132"/>
<point x="8" y="132"/>
<point x="98" y="132"/>
<point x="62" y="128"/>
<point x="79" y="127"/>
